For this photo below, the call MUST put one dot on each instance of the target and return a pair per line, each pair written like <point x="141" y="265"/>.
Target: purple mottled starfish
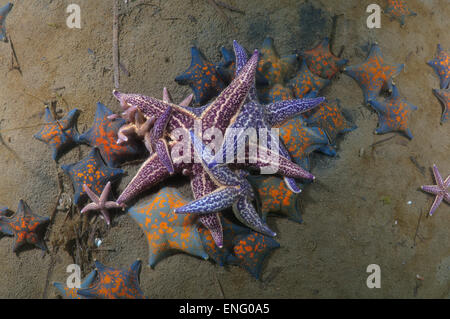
<point x="100" y="203"/>
<point x="219" y="114"/>
<point x="233" y="190"/>
<point x="440" y="190"/>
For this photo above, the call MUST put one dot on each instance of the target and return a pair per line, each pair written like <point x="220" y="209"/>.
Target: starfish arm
<point x="90" y="207"/>
<point x="105" y="215"/>
<point x="161" y="123"/>
<point x="432" y="189"/>
<point x="111" y="205"/>
<point x="438" y="177"/>
<point x="151" y="173"/>
<point x="163" y="153"/>
<point x="91" y="194"/>
<point x="447" y="182"/>
<point x="246" y="214"/>
<point x="219" y="199"/>
<point x="436" y="203"/>
<point x="280" y="112"/>
<point x="214" y="225"/>
<point x="166" y="95"/>
<point x="105" y="193"/>
<point x="187" y="100"/>
<point x="241" y="56"/>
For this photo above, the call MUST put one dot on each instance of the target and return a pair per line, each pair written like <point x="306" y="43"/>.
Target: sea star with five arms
<point x="3" y="14"/>
<point x="115" y="283"/>
<point x="25" y="226"/>
<point x="444" y="97"/>
<point x="393" y="114"/>
<point x="167" y="232"/>
<point x="441" y="190"/>
<point x="100" y="203"/>
<point x="398" y="9"/>
<point x="307" y="84"/>
<point x="72" y="293"/>
<point x="441" y="64"/>
<point x="373" y="74"/>
<point x="60" y="135"/>
<point x="219" y="115"/>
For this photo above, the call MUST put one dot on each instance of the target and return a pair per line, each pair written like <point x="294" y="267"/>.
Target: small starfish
<point x="398" y="9"/>
<point x="25" y="226"/>
<point x="440" y="190"/>
<point x="166" y="231"/>
<point x="103" y="134"/>
<point x="72" y="293"/>
<point x="242" y="247"/>
<point x="3" y="14"/>
<point x="373" y="74"/>
<point x="444" y="97"/>
<point x="307" y="84"/>
<point x="441" y="64"/>
<point x="115" y="283"/>
<point x="233" y="190"/>
<point x="328" y="116"/>
<point x="321" y="61"/>
<point x="60" y="135"/>
<point x="203" y="78"/>
<point x="393" y="114"/>
<point x="100" y="203"/>
<point x="91" y="171"/>
<point x="275" y="197"/>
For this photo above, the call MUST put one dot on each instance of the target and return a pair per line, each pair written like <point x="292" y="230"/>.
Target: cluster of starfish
<point x="441" y="65"/>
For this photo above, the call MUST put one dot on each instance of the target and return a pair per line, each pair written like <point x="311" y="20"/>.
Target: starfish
<point x="307" y="84"/>
<point x="277" y="93"/>
<point x="103" y="135"/>
<point x="233" y="190"/>
<point x="90" y="171"/>
<point x="60" y="135"/>
<point x="115" y="283"/>
<point x="72" y="293"/>
<point x="166" y="231"/>
<point x="227" y="68"/>
<point x="444" y="97"/>
<point x="3" y="14"/>
<point x="100" y="203"/>
<point x="218" y="115"/>
<point x="393" y="114"/>
<point x="373" y="74"/>
<point x="242" y="247"/>
<point x="275" y="197"/>
<point x="329" y="118"/>
<point x="203" y="78"/>
<point x="398" y="9"/>
<point x="321" y="61"/>
<point x="441" y="64"/>
<point x="25" y="226"/>
<point x="440" y="190"/>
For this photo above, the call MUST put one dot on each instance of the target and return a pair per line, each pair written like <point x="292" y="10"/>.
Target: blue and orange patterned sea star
<point x="307" y="84"/>
<point x="72" y="293"/>
<point x="3" y="14"/>
<point x="25" y="226"/>
<point x="321" y="61"/>
<point x="444" y="97"/>
<point x="103" y="135"/>
<point x="441" y="64"/>
<point x="90" y="171"/>
<point x="398" y="9"/>
<point x="166" y="231"/>
<point x="440" y="190"/>
<point x="393" y="114"/>
<point x="115" y="283"/>
<point x="373" y="74"/>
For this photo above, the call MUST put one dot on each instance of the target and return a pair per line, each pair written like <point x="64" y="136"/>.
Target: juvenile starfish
<point x="60" y="135"/>
<point x="219" y="114"/>
<point x="203" y="78"/>
<point x="441" y="65"/>
<point x="373" y="74"/>
<point x="398" y="9"/>
<point x="393" y="114"/>
<point x="321" y="61"/>
<point x="25" y="226"/>
<point x="307" y="84"/>
<point x="103" y="135"/>
<point x="328" y="116"/>
<point x="72" y="293"/>
<point x="233" y="190"/>
<point x="100" y="203"/>
<point x="3" y="14"/>
<point x="275" y="197"/>
<point x="444" y="97"/>
<point x="166" y="231"/>
<point x="242" y="247"/>
<point x="115" y="283"/>
<point x="440" y="190"/>
<point x="91" y="171"/>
